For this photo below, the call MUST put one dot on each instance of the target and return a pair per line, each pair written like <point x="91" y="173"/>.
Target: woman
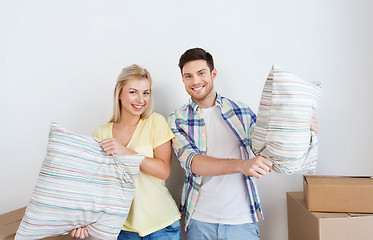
<point x="135" y="129"/>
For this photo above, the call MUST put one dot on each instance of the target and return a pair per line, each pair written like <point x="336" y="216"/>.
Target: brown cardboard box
<point x="10" y="221"/>
<point x="338" y="193"/>
<point x="306" y="225"/>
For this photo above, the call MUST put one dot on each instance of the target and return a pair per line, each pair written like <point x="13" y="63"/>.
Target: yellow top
<point x="153" y="207"/>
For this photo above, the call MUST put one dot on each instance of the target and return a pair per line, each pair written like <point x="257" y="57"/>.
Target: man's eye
<point x="201" y="73"/>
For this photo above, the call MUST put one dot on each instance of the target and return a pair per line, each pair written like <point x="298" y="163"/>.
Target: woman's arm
<point x="315" y="124"/>
<point x="159" y="166"/>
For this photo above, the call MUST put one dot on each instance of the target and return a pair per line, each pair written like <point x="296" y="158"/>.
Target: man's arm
<point x="209" y="166"/>
<point x="184" y="147"/>
<point x="198" y="164"/>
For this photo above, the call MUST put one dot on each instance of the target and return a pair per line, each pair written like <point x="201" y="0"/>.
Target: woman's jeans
<point x="171" y="232"/>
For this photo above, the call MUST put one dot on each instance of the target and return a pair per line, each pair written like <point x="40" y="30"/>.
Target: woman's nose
<point x="140" y="98"/>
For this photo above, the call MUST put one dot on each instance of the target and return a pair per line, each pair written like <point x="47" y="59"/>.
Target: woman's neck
<point x="127" y="121"/>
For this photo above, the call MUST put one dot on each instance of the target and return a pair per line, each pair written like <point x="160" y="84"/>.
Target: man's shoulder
<point x="234" y="103"/>
<point x="238" y="108"/>
<point x="179" y="112"/>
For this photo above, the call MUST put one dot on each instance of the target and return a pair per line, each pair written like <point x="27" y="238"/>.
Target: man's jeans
<point x="171" y="232"/>
<point x="198" y="230"/>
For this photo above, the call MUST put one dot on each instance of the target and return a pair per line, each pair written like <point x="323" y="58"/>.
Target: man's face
<point x="198" y="80"/>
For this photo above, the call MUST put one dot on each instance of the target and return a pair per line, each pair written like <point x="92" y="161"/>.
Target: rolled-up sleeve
<point x="183" y="145"/>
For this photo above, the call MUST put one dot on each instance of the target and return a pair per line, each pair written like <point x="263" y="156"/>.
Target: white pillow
<point x="282" y="131"/>
<point x="79" y="185"/>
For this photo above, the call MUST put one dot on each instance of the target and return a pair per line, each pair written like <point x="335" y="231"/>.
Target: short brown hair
<point x="196" y="54"/>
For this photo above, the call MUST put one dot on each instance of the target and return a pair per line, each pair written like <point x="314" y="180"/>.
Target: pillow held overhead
<point x="282" y="131"/>
<point x="80" y="185"/>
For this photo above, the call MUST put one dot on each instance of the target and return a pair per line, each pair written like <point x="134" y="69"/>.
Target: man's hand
<point x="256" y="167"/>
<point x="81" y="233"/>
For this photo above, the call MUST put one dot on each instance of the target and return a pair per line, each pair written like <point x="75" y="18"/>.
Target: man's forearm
<point x="209" y="166"/>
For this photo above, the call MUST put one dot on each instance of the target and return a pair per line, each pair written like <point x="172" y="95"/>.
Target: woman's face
<point x="135" y="96"/>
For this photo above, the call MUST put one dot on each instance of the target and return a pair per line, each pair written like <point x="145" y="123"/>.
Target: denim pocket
<point x="252" y="228"/>
<point x="173" y="227"/>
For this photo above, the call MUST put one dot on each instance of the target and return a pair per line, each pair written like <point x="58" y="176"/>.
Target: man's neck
<point x="208" y="101"/>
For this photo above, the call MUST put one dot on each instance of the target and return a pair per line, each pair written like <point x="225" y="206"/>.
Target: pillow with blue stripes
<point x="282" y="131"/>
<point x="80" y="185"/>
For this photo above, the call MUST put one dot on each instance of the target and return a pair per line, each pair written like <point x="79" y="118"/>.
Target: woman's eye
<point x="146" y="93"/>
<point x="132" y="92"/>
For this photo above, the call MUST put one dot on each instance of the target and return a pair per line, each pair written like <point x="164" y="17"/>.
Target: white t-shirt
<point x="222" y="199"/>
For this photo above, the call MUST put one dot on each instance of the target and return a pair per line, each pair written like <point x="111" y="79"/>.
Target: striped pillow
<point x="79" y="185"/>
<point x="282" y="132"/>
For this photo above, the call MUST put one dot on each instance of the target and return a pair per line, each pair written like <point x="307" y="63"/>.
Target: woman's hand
<point x="315" y="124"/>
<point x="81" y="233"/>
<point x="112" y="146"/>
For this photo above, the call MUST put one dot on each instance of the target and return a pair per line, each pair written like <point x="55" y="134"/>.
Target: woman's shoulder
<point x="154" y="117"/>
<point x="105" y="126"/>
<point x="155" y="120"/>
<point x="103" y="129"/>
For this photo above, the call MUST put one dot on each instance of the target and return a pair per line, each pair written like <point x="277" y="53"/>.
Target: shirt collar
<point x="195" y="107"/>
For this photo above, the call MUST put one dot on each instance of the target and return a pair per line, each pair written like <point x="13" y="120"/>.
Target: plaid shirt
<point x="190" y="139"/>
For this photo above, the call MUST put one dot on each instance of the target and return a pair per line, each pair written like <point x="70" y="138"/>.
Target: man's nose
<point x="196" y="78"/>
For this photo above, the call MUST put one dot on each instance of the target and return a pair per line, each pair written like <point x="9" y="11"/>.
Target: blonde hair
<point x="130" y="72"/>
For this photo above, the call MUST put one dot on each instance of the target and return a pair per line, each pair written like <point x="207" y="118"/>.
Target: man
<point x="212" y="143"/>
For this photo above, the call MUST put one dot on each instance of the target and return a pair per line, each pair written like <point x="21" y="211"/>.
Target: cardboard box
<point x="10" y="221"/>
<point x="306" y="225"/>
<point x="338" y="193"/>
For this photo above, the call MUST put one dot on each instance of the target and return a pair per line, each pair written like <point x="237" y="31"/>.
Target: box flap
<point x="360" y="215"/>
<point x="330" y="215"/>
<point x="331" y="180"/>
<point x="9" y="223"/>
<point x="7" y="231"/>
<point x="12" y="216"/>
<point x="340" y="215"/>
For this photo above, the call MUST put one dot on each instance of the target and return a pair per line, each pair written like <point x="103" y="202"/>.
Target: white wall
<point x="59" y="61"/>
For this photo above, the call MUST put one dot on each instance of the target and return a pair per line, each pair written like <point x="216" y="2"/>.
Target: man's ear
<point x="214" y="72"/>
